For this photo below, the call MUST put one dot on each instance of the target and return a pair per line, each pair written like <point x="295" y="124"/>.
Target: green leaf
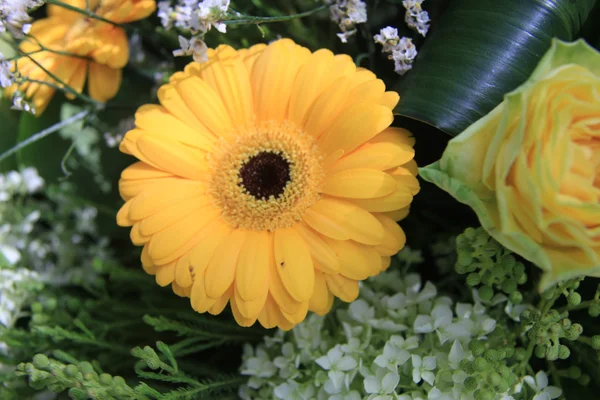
<point x="47" y="153"/>
<point x="479" y="50"/>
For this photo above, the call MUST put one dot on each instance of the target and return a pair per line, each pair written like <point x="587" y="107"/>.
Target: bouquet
<point x="299" y="199"/>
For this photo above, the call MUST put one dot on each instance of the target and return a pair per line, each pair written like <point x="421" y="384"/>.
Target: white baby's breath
<point x="347" y="14"/>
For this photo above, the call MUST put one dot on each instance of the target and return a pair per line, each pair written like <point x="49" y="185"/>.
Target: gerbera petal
<point x="250" y="308"/>
<point x="168" y="216"/>
<point x="389" y="100"/>
<point x="156" y="197"/>
<point x="252" y="272"/>
<point x="239" y="317"/>
<point x="273" y="76"/>
<point x="178" y="290"/>
<point x="198" y="298"/>
<point x="299" y="315"/>
<point x="327" y="107"/>
<point x="359" y="224"/>
<point x="220" y="303"/>
<point x="343" y="288"/>
<point x="398" y="215"/>
<point x="249" y="56"/>
<point x="226" y="73"/>
<point x="136" y="235"/>
<point x="311" y="80"/>
<point x="359" y="183"/>
<point x="77" y="79"/>
<point x="170" y="98"/>
<point x="270" y="315"/>
<point x="173" y="157"/>
<point x="178" y="234"/>
<point x="103" y="81"/>
<point x="294" y="263"/>
<point x="394" y="238"/>
<point x="213" y="235"/>
<point x="123" y="215"/>
<point x="165" y="274"/>
<point x="206" y="104"/>
<point x="401" y="197"/>
<point x="140" y="170"/>
<point x="220" y="271"/>
<point x="183" y="276"/>
<point x="319" y="249"/>
<point x="147" y="263"/>
<point x="156" y="120"/>
<point x="369" y="91"/>
<point x="276" y="288"/>
<point x="354" y="126"/>
<point x="324" y="225"/>
<point x="322" y="299"/>
<point x="359" y="261"/>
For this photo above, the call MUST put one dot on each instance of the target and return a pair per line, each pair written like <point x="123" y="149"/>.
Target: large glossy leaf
<point x="479" y="50"/>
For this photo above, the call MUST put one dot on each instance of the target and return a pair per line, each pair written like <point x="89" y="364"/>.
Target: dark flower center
<point x="265" y="174"/>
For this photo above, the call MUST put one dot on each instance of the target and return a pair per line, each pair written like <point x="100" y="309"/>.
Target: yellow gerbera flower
<point x="268" y="178"/>
<point x="72" y="32"/>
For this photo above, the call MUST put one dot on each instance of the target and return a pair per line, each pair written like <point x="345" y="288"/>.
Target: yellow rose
<point x="530" y="169"/>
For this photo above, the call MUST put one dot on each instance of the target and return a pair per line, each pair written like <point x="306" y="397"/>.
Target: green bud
<point x="38" y="376"/>
<point x="482" y="394"/>
<point x="41" y="361"/>
<point x="556" y="328"/>
<point x="86" y="367"/>
<point x="50" y="304"/>
<point x="487" y="278"/>
<point x="118" y="380"/>
<point x="584" y="380"/>
<point x="491" y="355"/>
<point x="486" y="293"/>
<point x="550" y="317"/>
<point x="473" y="279"/>
<point x="56" y="387"/>
<point x="469" y="233"/>
<point x="503" y="386"/>
<point x="460" y="269"/>
<point x="76" y="393"/>
<point x="521" y="354"/>
<point x="519" y="269"/>
<point x="37" y="308"/>
<point x="105" y="379"/>
<point x="563" y="352"/>
<point x="594" y="310"/>
<point x="480" y="363"/>
<point x="574" y="372"/>
<point x="595" y="343"/>
<point x="509" y="261"/>
<point x="73" y="304"/>
<point x="574" y="299"/>
<point x="574" y="332"/>
<point x="521" y="278"/>
<point x="494" y="378"/>
<point x="464" y="258"/>
<point x="552" y="353"/>
<point x="467" y="366"/>
<point x="515" y="297"/>
<point x="565" y="323"/>
<point x="548" y="294"/>
<point x="540" y="351"/>
<point x="71" y="370"/>
<point x="476" y="347"/>
<point x="471" y="383"/>
<point x="509" y="352"/>
<point x="509" y="286"/>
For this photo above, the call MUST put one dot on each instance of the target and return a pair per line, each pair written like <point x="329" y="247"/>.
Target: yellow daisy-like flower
<point x="268" y="178"/>
<point x="71" y="32"/>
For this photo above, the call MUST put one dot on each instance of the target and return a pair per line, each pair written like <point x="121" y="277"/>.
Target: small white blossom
<point x="383" y="382"/>
<point x="539" y="385"/>
<point x="14" y="17"/>
<point x="415" y="17"/>
<point x="347" y="14"/>
<point x="388" y="38"/>
<point x="193" y="16"/>
<point x="194" y="47"/>
<point x="7" y="77"/>
<point x="422" y="369"/>
<point x="20" y="103"/>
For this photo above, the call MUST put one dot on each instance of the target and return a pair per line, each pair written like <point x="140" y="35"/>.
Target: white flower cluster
<point x="402" y="50"/>
<point x="13" y="293"/>
<point x="347" y="14"/>
<point x="196" y="18"/>
<point x="14" y="17"/>
<point x="7" y="77"/>
<point x="415" y="17"/>
<point x="399" y="340"/>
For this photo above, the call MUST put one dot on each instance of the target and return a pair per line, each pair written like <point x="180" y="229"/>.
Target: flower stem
<point x="43" y="133"/>
<point x="247" y="19"/>
<point x="82" y="11"/>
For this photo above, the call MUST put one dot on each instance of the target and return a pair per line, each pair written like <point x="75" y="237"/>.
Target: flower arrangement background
<point x="493" y="295"/>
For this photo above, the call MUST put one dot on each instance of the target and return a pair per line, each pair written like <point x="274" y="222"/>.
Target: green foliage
<point x="480" y="50"/>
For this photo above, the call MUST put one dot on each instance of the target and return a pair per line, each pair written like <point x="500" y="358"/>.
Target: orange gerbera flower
<point x="269" y="179"/>
<point x="104" y="44"/>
